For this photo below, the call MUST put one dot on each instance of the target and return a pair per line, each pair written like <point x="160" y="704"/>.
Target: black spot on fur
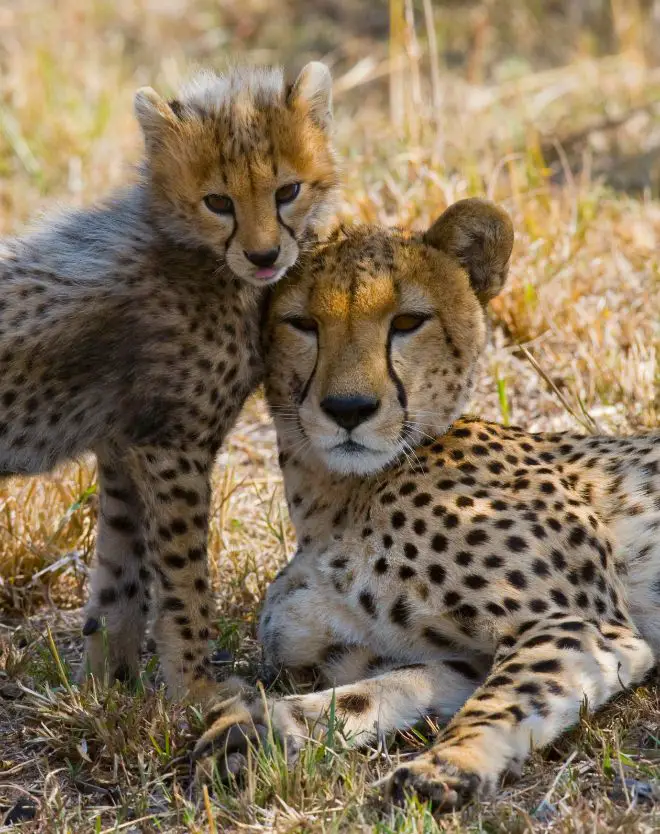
<point x="400" y="612"/>
<point x="354" y="702"/>
<point x="463" y="668"/>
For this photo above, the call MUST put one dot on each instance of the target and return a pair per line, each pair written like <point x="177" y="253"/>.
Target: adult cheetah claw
<point x="237" y="724"/>
<point x="443" y="785"/>
<point x="226" y="748"/>
<point x="233" y="739"/>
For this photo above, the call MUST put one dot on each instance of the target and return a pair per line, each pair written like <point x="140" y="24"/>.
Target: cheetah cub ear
<point x="479" y="235"/>
<point x="312" y="91"/>
<point x="154" y="114"/>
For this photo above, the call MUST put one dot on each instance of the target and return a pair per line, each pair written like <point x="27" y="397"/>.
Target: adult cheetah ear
<point x="479" y="235"/>
<point x="154" y="114"/>
<point x="313" y="91"/>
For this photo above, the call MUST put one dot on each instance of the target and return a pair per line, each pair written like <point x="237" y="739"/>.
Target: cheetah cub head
<point x="242" y="164"/>
<point x="372" y="345"/>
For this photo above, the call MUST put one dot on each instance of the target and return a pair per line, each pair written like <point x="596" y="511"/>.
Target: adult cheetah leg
<point x="119" y="598"/>
<point x="533" y="693"/>
<point x="176" y="491"/>
<point x="393" y="699"/>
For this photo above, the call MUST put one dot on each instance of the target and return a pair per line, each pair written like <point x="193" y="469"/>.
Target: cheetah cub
<point x="132" y="330"/>
<point x="447" y="566"/>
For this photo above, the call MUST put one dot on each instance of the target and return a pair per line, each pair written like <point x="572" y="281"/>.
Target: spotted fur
<point x="446" y="565"/>
<point x="128" y="330"/>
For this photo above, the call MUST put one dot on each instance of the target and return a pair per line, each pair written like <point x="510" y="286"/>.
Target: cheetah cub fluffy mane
<point x="132" y="330"/>
<point x="446" y="566"/>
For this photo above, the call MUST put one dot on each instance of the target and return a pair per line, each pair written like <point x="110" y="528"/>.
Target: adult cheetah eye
<point x="407" y="322"/>
<point x="219" y="203"/>
<point x="305" y="324"/>
<point x="287" y="193"/>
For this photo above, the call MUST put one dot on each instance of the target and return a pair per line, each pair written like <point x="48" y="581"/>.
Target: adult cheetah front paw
<point x="242" y="721"/>
<point x="234" y="722"/>
<point x="444" y="785"/>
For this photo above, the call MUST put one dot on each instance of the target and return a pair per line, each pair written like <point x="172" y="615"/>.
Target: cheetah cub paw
<point x="444" y="785"/>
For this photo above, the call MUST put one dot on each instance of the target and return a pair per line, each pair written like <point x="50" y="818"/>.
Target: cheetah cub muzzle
<point x="131" y="330"/>
<point x="447" y="566"/>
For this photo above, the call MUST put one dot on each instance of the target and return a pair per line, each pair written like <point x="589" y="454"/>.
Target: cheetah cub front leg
<point x="176" y="492"/>
<point x="119" y="599"/>
<point x="153" y="523"/>
<point x="533" y="693"/>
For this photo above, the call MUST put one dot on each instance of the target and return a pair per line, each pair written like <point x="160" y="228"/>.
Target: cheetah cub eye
<point x="219" y="204"/>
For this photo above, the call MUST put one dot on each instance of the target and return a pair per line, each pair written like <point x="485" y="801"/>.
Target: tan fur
<point x="123" y="332"/>
<point x="471" y="571"/>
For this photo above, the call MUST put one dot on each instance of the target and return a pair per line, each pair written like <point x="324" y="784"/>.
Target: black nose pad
<point x="263" y="259"/>
<point x="349" y="412"/>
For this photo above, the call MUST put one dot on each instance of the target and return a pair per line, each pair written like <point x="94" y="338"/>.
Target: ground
<point x="556" y="115"/>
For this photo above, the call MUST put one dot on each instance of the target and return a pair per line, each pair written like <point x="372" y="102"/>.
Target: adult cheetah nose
<point x="348" y="412"/>
<point x="263" y="259"/>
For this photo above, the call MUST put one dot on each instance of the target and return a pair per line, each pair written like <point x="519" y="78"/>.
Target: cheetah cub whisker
<point x="479" y="573"/>
<point x="132" y="330"/>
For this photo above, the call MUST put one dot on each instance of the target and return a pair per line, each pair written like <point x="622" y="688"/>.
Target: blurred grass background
<point x="556" y="67"/>
<point x="551" y="107"/>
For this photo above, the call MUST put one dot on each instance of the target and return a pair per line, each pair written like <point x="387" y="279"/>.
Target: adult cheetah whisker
<point x="301" y="446"/>
<point x="411" y="454"/>
<point x="290" y="432"/>
<point x="413" y="463"/>
<point x="415" y="427"/>
<point x="285" y="410"/>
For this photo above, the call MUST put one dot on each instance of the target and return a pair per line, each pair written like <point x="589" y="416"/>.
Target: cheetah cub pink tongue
<point x="446" y="566"/>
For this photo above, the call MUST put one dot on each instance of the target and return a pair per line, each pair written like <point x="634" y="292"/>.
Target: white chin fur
<point x="364" y="462"/>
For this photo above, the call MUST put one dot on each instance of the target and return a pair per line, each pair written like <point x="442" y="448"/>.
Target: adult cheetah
<point x="132" y="330"/>
<point x="446" y="565"/>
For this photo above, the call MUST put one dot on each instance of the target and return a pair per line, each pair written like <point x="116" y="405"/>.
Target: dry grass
<point x="540" y="110"/>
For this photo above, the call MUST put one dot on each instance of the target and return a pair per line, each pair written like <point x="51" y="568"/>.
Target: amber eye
<point x="303" y="323"/>
<point x="287" y="193"/>
<point x="219" y="204"/>
<point x="407" y="322"/>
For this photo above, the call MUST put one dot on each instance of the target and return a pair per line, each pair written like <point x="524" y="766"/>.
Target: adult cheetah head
<point x="372" y="345"/>
<point x="242" y="164"/>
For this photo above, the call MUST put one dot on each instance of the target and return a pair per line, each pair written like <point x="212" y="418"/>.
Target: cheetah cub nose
<point x="263" y="259"/>
<point x="348" y="412"/>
